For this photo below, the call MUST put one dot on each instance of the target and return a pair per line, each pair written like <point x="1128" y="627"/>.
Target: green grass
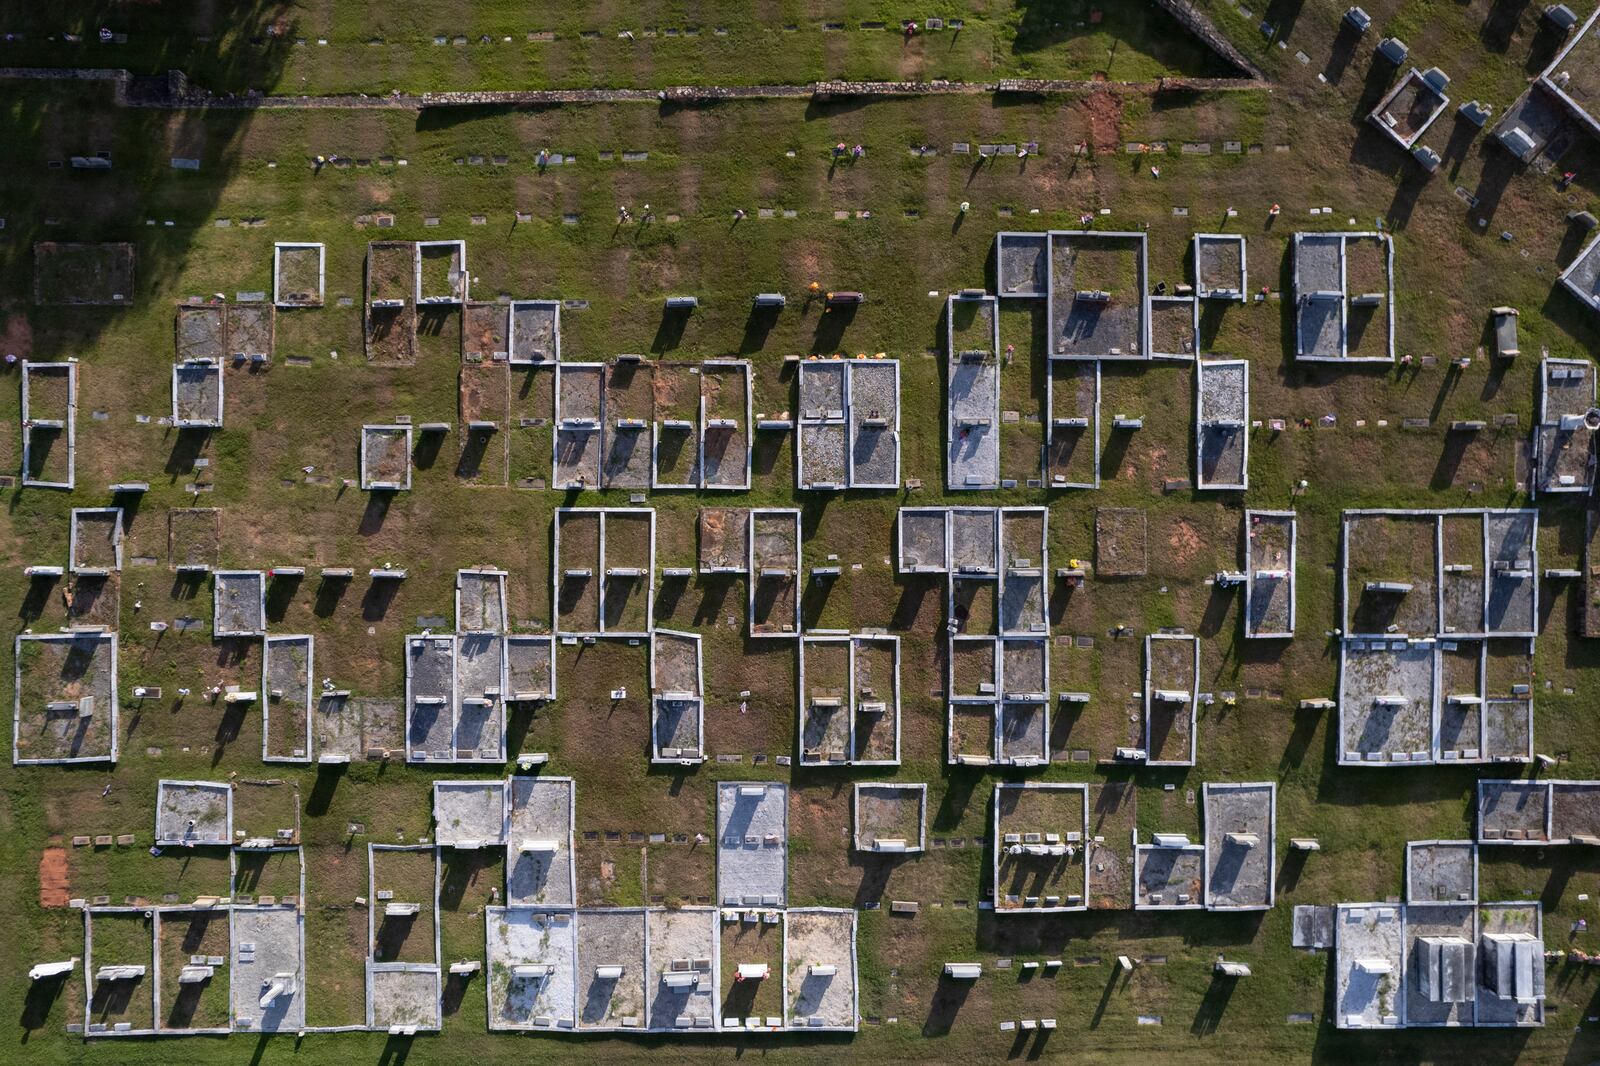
<point x="318" y="46"/>
<point x="703" y="164"/>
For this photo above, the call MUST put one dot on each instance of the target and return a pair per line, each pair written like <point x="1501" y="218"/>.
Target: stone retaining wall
<point x="174" y="91"/>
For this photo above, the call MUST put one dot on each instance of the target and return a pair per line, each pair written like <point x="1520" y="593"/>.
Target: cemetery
<point x="194" y="813"/>
<point x="197" y="394"/>
<point x="1072" y="448"/>
<point x="66" y="698"/>
<point x="299" y="274"/>
<point x="1120" y="449"/>
<point x="1097" y="299"/>
<point x="1563" y="440"/>
<point x="677" y="705"/>
<point x="1408" y="109"/>
<point x="773" y="574"/>
<point x="1442" y="958"/>
<point x="287" y="667"/>
<point x="386" y="458"/>
<point x="49" y="424"/>
<point x="972" y="326"/>
<point x="267" y="968"/>
<point x="239" y="603"/>
<point x="848" y="435"/>
<point x="890" y="818"/>
<point x="1270" y="539"/>
<point x="470" y="815"/>
<point x="1222" y="414"/>
<point x="539" y="862"/>
<point x="1344" y="297"/>
<point x="1037" y="841"/>
<point x="752" y="844"/>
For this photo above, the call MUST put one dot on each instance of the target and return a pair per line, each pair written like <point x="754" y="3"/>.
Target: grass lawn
<point x="276" y="486"/>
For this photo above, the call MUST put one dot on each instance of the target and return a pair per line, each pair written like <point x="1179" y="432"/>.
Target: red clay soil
<point x="53" y="891"/>
<point x="1105" y="119"/>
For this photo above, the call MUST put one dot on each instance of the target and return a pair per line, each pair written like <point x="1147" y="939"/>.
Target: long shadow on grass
<point x="97" y="205"/>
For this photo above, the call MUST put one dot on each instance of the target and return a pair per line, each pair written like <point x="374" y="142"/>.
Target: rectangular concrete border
<point x="1200" y="481"/>
<point x="1093" y="428"/>
<point x="1206" y="789"/>
<point x="454" y="697"/>
<point x="557" y="428"/>
<point x="952" y="357"/>
<point x="743" y="366"/>
<point x="197" y="423"/>
<point x="547" y="639"/>
<point x="499" y="577"/>
<point x="1250" y="572"/>
<point x="999" y="264"/>
<point x="217" y="578"/>
<point x="1194" y="699"/>
<point x="322" y="272"/>
<point x="266" y="694"/>
<point x="161" y="788"/>
<point x="451" y="300"/>
<point x="1005" y="567"/>
<point x="16" y="695"/>
<point x="855" y="972"/>
<point x="656" y="698"/>
<point x="70" y="427"/>
<point x="372" y="933"/>
<point x="918" y="787"/>
<point x="72" y="540"/>
<point x="1411" y="844"/>
<point x="1344" y="297"/>
<point x="753" y="575"/>
<point x="649" y="577"/>
<point x="1550" y="85"/>
<point x="1141" y="242"/>
<point x="1412" y="75"/>
<point x="995" y="837"/>
<point x="1141" y="850"/>
<point x="511" y="333"/>
<point x="157" y="916"/>
<point x="1437" y="514"/>
<point x="367" y="483"/>
<point x="152" y="971"/>
<point x="1203" y="293"/>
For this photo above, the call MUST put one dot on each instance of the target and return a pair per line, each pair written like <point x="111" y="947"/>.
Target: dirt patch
<point x="1184" y="540"/>
<point x="17" y="338"/>
<point x="53" y="890"/>
<point x="1119" y="541"/>
<point x="1105" y="120"/>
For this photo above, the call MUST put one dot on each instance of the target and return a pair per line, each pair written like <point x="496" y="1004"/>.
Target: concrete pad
<point x="469" y="812"/>
<point x="820" y="959"/>
<point x="541" y="814"/>
<point x="194" y="813"/>
<point x="752" y="843"/>
<point x="275" y="936"/>
<point x="546" y="999"/>
<point x="1241" y="825"/>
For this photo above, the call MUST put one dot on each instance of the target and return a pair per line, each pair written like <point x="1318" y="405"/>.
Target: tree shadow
<point x="127" y="118"/>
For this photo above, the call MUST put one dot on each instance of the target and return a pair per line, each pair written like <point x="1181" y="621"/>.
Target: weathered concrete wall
<point x="1190" y="18"/>
<point x="174" y="91"/>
